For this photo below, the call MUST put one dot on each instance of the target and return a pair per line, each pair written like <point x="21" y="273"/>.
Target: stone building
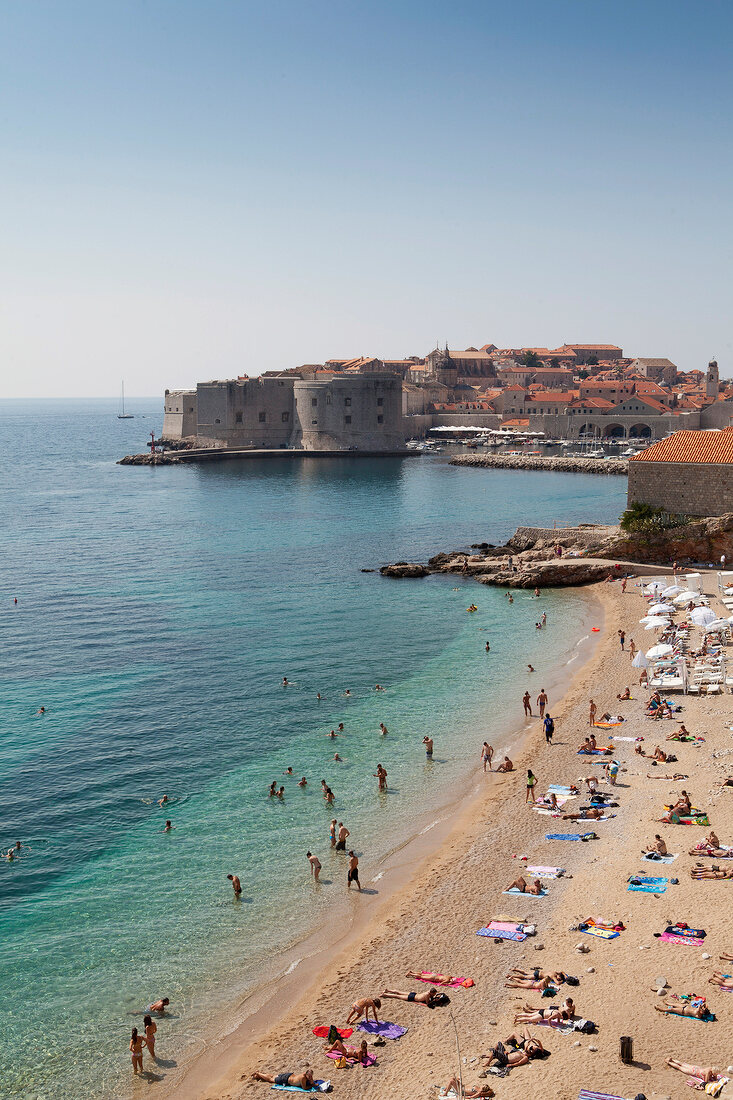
<point x="360" y="412"/>
<point x="689" y="473"/>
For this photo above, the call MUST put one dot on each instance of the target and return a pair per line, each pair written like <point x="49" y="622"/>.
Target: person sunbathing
<point x="591" y="814"/>
<point x="522" y="1040"/>
<point x="710" y="872"/>
<point x="521" y="885"/>
<point x="359" y="1054"/>
<point x="676" y="778"/>
<point x="506" y="765"/>
<point x="289" y="1080"/>
<point x="552" y="1016"/>
<point x="523" y="979"/>
<point x="593" y="743"/>
<point x="659" y="754"/>
<point x="683" y="805"/>
<point x="626" y="695"/>
<point x="707" y="1073"/>
<point x="710" y="846"/>
<point x="362" y="1008"/>
<point x="657" y="848"/>
<point x="428" y="998"/>
<point x="586" y="747"/>
<point x="697" y="1008"/>
<point x="452" y="1091"/>
<point x="439" y="979"/>
<point x="725" y="981"/>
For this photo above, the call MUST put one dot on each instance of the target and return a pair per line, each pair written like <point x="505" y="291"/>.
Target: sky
<point x="197" y="189"/>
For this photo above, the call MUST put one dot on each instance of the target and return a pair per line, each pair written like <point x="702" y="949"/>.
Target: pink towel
<point x="455" y="984"/>
<point x="689" y="941"/>
<point x="504" y="925"/>
<point x="371" y="1059"/>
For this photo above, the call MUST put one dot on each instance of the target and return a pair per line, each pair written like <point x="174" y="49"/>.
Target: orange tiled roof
<point x="516" y="424"/>
<point x="689" y="446"/>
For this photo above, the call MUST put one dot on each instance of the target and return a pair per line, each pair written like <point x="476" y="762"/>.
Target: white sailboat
<point x="122" y="415"/>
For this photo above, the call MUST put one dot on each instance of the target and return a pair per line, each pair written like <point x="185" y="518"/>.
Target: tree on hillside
<point x="530" y="359"/>
<point x="592" y="360"/>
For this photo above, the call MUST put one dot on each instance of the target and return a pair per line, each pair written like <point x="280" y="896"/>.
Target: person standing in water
<point x="542" y="702"/>
<point x="428" y="743"/>
<point x="353" y="873"/>
<point x="343" y="835"/>
<point x="236" y="885"/>
<point x="381" y="775"/>
<point x="527" y="701"/>
<point x="136" y="1051"/>
<point x="487" y="754"/>
<point x="150" y="1030"/>
<point x="332" y="833"/>
<point x="315" y="865"/>
<point x="383" y="729"/>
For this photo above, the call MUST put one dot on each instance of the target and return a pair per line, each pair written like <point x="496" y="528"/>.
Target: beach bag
<point x="333" y="1034"/>
<point x="587" y="1027"/>
<point x="442" y="999"/>
<point x="571" y="981"/>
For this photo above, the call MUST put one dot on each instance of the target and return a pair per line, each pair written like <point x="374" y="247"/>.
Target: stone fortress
<point x="576" y="391"/>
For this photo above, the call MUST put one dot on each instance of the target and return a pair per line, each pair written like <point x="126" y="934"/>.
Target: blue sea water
<point x="158" y="611"/>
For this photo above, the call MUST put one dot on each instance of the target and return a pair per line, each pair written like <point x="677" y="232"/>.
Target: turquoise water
<point x="158" y="611"/>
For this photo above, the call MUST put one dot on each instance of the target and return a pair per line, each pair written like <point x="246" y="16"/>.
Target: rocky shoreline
<point x="530" y="558"/>
<point x="545" y="462"/>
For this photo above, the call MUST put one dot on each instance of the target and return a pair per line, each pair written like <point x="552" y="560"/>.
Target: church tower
<point x="712" y="380"/>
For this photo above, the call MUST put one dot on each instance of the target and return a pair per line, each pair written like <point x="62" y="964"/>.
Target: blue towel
<point x="647" y="889"/>
<point x="524" y="893"/>
<point x="318" y="1086"/>
<point x="567" y="836"/>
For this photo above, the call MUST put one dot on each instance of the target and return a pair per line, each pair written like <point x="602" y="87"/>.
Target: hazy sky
<point x="196" y="189"/>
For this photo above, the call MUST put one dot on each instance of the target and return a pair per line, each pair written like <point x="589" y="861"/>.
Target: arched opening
<point x="614" y="431"/>
<point x="640" y="431"/>
<point x="589" y="431"/>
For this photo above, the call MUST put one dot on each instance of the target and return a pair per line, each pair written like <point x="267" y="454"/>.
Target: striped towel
<point x="586" y="1094"/>
<point x="546" y="872"/>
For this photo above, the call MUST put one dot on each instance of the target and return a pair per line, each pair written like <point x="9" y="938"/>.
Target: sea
<point x="158" y="610"/>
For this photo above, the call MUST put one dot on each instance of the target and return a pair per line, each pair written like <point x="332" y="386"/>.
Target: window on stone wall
<point x="238" y="418"/>
<point x="217" y="421"/>
<point x="314" y="401"/>
<point x="347" y="401"/>
<point x="380" y="420"/>
<point x="380" y="400"/>
<point x="347" y="420"/>
<point x="262" y="417"/>
<point x="286" y="417"/>
<point x="190" y="410"/>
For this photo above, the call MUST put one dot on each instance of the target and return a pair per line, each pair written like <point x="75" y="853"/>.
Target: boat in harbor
<point x="122" y="415"/>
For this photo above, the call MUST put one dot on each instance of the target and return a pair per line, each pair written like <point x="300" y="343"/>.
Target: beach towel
<point x="501" y="934"/>
<point x="604" y="750"/>
<point x="546" y="872"/>
<point x="712" y="1088"/>
<point x="454" y="983"/>
<point x="561" y="788"/>
<point x="606" y="725"/>
<point x="683" y="930"/>
<point x="322" y="1031"/>
<point x="602" y="933"/>
<point x="688" y="941"/>
<point x="548" y="813"/>
<point x="628" y="738"/>
<point x="570" y="836"/>
<point x="383" y="1028"/>
<point x="584" y="1094"/>
<point x="318" y="1086"/>
<point x="506" y="925"/>
<point x="660" y="859"/>
<point x="524" y="893"/>
<point x="371" y="1059"/>
<point x="645" y="884"/>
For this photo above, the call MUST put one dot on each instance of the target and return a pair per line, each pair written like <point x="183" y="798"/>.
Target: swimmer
<point x="161" y="1005"/>
<point x="337" y="758"/>
<point x="378" y="687"/>
<point x="285" y="681"/>
<point x="315" y="865"/>
<point x="383" y="729"/>
<point x="273" y="790"/>
<point x="332" y="734"/>
<point x="340" y="727"/>
<point x="511" y="598"/>
<point x="162" y="801"/>
<point x="167" y="827"/>
<point x="428" y="743"/>
<point x="347" y="693"/>
<point x="488" y="648"/>
<point x="318" y="696"/>
<point x="281" y="793"/>
<point x="41" y="711"/>
<point x="303" y="782"/>
<point x="530" y="668"/>
<point x="236" y="887"/>
<point x="329" y="796"/>
<point x="288" y="771"/>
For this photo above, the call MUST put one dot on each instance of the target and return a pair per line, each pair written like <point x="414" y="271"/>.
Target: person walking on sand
<point x="592" y="708"/>
<point x="343" y="835"/>
<point x="487" y="755"/>
<point x="623" y="585"/>
<point x="315" y="865"/>
<point x="236" y="884"/>
<point x="527" y="701"/>
<point x="531" y="782"/>
<point x="542" y="702"/>
<point x="632" y="649"/>
<point x="381" y="776"/>
<point x="428" y="743"/>
<point x="622" y="639"/>
<point x="549" y="726"/>
<point x="353" y="873"/>
<point x="136" y="1051"/>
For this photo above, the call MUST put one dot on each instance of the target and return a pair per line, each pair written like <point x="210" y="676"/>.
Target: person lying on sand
<point x="658" y="847"/>
<point x="500" y="1056"/>
<point x="553" y="1016"/>
<point x="358" y="1053"/>
<point x="676" y="778"/>
<point x="302" y="1080"/>
<point x="452" y="1091"/>
<point x="591" y="814"/>
<point x="725" y="981"/>
<point x="710" y="872"/>
<point x="523" y="979"/>
<point x="362" y="1007"/>
<point x="521" y="885"/>
<point x="437" y="979"/>
<point x="698" y="1009"/>
<point x="708" y="1073"/>
<point x="428" y="998"/>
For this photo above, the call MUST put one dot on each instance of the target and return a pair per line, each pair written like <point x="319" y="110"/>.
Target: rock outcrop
<point x="405" y="569"/>
<point x="545" y="462"/>
<point x="702" y="540"/>
<point x="145" y="460"/>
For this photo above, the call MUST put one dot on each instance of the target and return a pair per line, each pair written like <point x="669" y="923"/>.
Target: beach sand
<point x="431" y="922"/>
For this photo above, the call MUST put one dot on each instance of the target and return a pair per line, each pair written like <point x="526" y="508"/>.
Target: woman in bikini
<point x="707" y="1073"/>
<point x="523" y="979"/>
<point x="359" y="1054"/>
<point x="698" y="1009"/>
<point x="552" y="1016"/>
<point x="521" y="885"/>
<point x="427" y="998"/>
<point x="362" y="1007"/>
<point x="150" y="1030"/>
<point x="136" y="1051"/>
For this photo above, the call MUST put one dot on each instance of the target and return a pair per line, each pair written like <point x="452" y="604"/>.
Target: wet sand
<point x="452" y="886"/>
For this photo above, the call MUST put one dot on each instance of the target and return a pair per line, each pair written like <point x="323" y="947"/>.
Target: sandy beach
<point x="456" y="888"/>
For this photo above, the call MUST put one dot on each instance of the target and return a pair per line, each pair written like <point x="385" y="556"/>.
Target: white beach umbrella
<point x="659" y="608"/>
<point x="655" y="621"/>
<point x="673" y="590"/>
<point x="703" y="616"/>
<point x="685" y="596"/>
<point x="653" y="588"/>
<point x="640" y="660"/>
<point x="717" y="625"/>
<point x="658" y="651"/>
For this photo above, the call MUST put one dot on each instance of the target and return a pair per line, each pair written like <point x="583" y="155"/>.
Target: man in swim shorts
<point x="297" y="1080"/>
<point x="542" y="702"/>
<point x="343" y="834"/>
<point x="428" y="743"/>
<point x="353" y="872"/>
<point x="236" y="884"/>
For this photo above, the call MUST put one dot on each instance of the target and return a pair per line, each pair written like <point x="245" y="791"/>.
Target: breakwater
<point x="545" y="462"/>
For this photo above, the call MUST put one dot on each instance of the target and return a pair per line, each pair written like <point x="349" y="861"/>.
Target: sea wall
<point x="534" y="462"/>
